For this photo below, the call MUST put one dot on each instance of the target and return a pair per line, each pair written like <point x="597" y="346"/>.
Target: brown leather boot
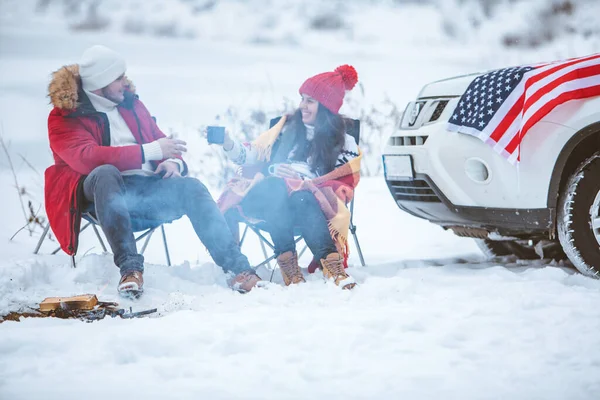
<point x="131" y="284"/>
<point x="333" y="268"/>
<point x="290" y="270"/>
<point x="244" y="281"/>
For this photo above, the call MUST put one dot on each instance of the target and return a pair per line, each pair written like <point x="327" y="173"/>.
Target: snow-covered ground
<point x="430" y="318"/>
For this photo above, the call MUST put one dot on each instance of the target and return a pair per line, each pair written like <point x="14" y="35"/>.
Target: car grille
<point x="415" y="190"/>
<point x="407" y="140"/>
<point x="439" y="109"/>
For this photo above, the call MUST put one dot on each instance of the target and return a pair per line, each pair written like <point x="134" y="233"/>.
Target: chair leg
<point x="303" y="250"/>
<point x="263" y="238"/>
<point x="232" y="218"/>
<point x="93" y="219"/>
<point x="360" y="254"/>
<point x="56" y="250"/>
<point x="243" y="236"/>
<point x="147" y="235"/>
<point x="264" y="262"/>
<point x="99" y="238"/>
<point x="353" y="231"/>
<point x="264" y="250"/>
<point x="164" y="236"/>
<point x="81" y="230"/>
<point x="39" y="244"/>
<point x="267" y="261"/>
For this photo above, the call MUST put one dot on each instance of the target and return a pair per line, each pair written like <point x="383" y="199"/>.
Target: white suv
<point x="547" y="203"/>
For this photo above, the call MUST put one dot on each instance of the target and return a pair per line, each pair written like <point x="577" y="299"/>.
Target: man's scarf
<point x="332" y="191"/>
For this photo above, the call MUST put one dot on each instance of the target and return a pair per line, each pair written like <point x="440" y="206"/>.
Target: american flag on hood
<point x="500" y="107"/>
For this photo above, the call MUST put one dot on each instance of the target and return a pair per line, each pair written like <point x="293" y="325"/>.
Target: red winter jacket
<point x="80" y="141"/>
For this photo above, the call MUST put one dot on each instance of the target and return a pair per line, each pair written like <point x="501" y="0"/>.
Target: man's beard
<point x="112" y="97"/>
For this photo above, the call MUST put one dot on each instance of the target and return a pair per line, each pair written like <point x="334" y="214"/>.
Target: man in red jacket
<point x="111" y="158"/>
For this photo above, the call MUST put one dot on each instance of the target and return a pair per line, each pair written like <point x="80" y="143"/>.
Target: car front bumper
<point x="422" y="198"/>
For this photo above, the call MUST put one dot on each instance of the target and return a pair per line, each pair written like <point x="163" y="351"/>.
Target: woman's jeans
<point x="270" y="201"/>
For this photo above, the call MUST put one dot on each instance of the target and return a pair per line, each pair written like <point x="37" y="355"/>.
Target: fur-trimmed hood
<point x="65" y="88"/>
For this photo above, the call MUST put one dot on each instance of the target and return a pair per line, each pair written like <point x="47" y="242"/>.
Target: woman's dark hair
<point x="328" y="142"/>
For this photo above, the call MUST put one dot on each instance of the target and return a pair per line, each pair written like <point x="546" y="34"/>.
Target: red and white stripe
<point x="538" y="93"/>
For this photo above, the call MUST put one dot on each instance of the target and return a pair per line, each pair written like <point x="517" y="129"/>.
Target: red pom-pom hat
<point x="329" y="88"/>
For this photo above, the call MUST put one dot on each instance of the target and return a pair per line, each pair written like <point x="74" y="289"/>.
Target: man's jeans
<point x="269" y="201"/>
<point x="120" y="199"/>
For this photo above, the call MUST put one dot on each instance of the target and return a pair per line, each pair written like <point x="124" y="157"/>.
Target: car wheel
<point x="579" y="217"/>
<point x="492" y="248"/>
<point x="498" y="248"/>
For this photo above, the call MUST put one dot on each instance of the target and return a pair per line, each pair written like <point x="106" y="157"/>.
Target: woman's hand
<point x="227" y="141"/>
<point x="285" y="171"/>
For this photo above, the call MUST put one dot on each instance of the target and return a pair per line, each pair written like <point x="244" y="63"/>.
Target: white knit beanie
<point x="100" y="66"/>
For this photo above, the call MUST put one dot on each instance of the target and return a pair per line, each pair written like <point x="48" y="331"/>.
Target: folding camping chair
<point x="258" y="229"/>
<point x="147" y="228"/>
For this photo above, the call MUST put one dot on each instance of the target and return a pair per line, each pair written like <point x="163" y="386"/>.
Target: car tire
<point x="492" y="248"/>
<point x="577" y="209"/>
<point x="497" y="248"/>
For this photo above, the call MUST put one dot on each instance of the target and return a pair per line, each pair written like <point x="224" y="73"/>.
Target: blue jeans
<point x="124" y="204"/>
<point x="269" y="201"/>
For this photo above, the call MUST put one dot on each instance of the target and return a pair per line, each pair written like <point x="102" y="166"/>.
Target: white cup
<point x="303" y="169"/>
<point x="272" y="168"/>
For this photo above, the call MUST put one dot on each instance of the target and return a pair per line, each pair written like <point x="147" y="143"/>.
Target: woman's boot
<point x="290" y="270"/>
<point x="333" y="268"/>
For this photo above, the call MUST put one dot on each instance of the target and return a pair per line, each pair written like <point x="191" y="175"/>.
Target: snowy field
<point x="430" y="318"/>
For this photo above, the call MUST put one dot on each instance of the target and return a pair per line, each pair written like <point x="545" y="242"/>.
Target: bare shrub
<point x="377" y="122"/>
<point x="327" y="22"/>
<point x="72" y="7"/>
<point x="212" y="166"/>
<point x="539" y="22"/>
<point x="31" y="212"/>
<point x="42" y="5"/>
<point x="90" y="25"/>
<point x="135" y="26"/>
<point x="551" y="21"/>
<point x="92" y="21"/>
<point x="167" y="29"/>
<point x="203" y="7"/>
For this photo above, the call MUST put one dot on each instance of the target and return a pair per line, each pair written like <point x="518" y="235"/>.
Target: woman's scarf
<point x="333" y="190"/>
